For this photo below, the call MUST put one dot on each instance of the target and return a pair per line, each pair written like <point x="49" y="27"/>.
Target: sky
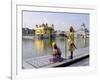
<point x="61" y="20"/>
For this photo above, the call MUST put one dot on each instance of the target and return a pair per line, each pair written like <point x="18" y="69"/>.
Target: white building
<point x="83" y="32"/>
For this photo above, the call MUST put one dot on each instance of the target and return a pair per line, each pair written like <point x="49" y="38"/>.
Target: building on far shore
<point x="83" y="32"/>
<point x="44" y="31"/>
<point x="28" y="32"/>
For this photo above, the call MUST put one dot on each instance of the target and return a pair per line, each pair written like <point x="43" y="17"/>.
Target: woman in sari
<point x="56" y="54"/>
<point x="71" y="45"/>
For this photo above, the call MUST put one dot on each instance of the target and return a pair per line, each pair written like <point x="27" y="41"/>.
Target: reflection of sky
<point x="61" y="21"/>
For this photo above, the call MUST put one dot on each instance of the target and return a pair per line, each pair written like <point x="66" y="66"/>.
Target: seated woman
<point x="56" y="54"/>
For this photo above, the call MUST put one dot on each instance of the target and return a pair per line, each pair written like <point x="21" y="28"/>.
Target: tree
<point x="46" y="24"/>
<point x="52" y="25"/>
<point x="36" y="25"/>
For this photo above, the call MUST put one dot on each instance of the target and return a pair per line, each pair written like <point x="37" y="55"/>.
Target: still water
<point x="38" y="47"/>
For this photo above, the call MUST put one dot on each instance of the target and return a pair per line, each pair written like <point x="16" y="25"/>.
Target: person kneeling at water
<point x="56" y="54"/>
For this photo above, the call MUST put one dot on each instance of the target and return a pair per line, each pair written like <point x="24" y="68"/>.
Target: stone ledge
<point x="43" y="62"/>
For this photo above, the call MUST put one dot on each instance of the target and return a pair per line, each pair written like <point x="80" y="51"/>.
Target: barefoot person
<point x="56" y="54"/>
<point x="71" y="45"/>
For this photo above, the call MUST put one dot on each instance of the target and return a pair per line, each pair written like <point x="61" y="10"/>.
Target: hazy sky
<point x="61" y="21"/>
